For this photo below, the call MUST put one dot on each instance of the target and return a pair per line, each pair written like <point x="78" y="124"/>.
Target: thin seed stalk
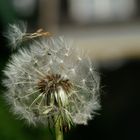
<point x="58" y="129"/>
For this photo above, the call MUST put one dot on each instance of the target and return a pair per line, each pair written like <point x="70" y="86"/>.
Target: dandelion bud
<point x="52" y="80"/>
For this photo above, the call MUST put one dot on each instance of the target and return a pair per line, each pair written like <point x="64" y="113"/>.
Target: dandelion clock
<point x="51" y="82"/>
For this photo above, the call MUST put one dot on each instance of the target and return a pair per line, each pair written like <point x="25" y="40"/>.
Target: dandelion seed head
<point x="47" y="80"/>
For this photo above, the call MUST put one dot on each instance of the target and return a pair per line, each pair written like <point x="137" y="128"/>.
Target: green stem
<point x="58" y="129"/>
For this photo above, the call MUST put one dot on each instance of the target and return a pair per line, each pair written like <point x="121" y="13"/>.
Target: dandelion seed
<point x="79" y="58"/>
<point x="83" y="80"/>
<point x="66" y="54"/>
<point x="73" y="70"/>
<point x="90" y="69"/>
<point x="61" y="61"/>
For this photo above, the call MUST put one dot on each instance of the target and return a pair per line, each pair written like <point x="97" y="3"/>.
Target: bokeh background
<point x="110" y="31"/>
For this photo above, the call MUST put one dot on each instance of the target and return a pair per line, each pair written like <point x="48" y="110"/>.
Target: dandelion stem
<point x="58" y="129"/>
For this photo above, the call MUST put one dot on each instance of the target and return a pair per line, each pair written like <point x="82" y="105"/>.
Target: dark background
<point x="120" y="87"/>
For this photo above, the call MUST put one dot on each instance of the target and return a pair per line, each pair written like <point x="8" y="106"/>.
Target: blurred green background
<point x="110" y="31"/>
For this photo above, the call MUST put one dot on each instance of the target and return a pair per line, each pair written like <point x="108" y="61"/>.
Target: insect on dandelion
<point x="51" y="83"/>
